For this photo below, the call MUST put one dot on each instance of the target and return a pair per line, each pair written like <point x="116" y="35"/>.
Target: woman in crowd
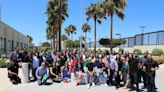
<point x="125" y="72"/>
<point x="79" y="70"/>
<point x="55" y="73"/>
<point x="65" y="73"/>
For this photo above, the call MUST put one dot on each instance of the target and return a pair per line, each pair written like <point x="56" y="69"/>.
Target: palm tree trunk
<point x="72" y="37"/>
<point x="52" y="44"/>
<point x="111" y="32"/>
<point x="95" y="36"/>
<point x="60" y="23"/>
<point x="85" y="39"/>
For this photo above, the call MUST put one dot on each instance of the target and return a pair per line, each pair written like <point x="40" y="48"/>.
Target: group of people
<point x="110" y="68"/>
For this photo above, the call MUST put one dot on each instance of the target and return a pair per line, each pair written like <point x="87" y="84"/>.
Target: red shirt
<point x="73" y="65"/>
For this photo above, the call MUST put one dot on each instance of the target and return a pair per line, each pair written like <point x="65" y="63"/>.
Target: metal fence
<point x="152" y="38"/>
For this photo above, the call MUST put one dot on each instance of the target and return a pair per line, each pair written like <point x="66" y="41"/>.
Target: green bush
<point x="2" y="63"/>
<point x="138" y="51"/>
<point x="157" y="52"/>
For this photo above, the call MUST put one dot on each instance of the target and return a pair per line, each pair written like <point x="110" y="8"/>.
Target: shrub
<point x="2" y="63"/>
<point x="157" y="52"/>
<point x="121" y="49"/>
<point x="138" y="51"/>
<point x="160" y="59"/>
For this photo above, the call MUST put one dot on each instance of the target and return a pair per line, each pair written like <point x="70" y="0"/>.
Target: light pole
<point x="119" y="38"/>
<point x="142" y="27"/>
<point x="81" y="30"/>
<point x="89" y="42"/>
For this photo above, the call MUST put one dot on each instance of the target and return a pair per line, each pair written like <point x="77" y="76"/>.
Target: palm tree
<point x="30" y="38"/>
<point x="112" y="7"/>
<point x="54" y="9"/>
<point x="71" y="29"/>
<point x="64" y="37"/>
<point x="67" y="31"/>
<point x="96" y="12"/>
<point x="86" y="28"/>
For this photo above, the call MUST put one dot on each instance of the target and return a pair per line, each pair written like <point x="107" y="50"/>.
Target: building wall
<point x="10" y="38"/>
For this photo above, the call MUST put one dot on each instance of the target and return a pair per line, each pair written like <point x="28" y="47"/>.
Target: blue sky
<point x="28" y="17"/>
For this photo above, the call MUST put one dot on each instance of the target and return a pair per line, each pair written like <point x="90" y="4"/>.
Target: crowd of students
<point x="120" y="69"/>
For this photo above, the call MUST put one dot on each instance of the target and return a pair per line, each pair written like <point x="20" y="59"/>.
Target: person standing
<point x="143" y="73"/>
<point x="118" y="77"/>
<point x="112" y="69"/>
<point x="150" y="67"/>
<point x="133" y="71"/>
<point x="35" y="64"/>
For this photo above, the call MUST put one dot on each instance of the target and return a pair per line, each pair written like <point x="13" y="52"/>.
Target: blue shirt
<point x="40" y="72"/>
<point x="35" y="62"/>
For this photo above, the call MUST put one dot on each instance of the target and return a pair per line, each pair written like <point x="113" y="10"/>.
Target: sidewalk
<point x="6" y="86"/>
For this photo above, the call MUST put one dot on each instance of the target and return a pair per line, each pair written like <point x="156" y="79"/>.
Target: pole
<point x="142" y="27"/>
<point x="81" y="30"/>
<point x="0" y="12"/>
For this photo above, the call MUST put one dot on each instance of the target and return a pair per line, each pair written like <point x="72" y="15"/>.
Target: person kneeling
<point x="42" y="74"/>
<point x="13" y="73"/>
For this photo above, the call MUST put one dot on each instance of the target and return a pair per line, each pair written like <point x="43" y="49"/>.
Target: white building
<point x="11" y="38"/>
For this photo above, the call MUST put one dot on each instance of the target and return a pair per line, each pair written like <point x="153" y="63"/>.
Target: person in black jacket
<point x="150" y="67"/>
<point x="79" y="70"/>
<point x="133" y="71"/>
<point x="118" y="77"/>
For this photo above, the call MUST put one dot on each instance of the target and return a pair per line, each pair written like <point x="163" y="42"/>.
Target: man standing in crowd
<point x="150" y="67"/>
<point x="112" y="69"/>
<point x="143" y="73"/>
<point x="42" y="74"/>
<point x="133" y="71"/>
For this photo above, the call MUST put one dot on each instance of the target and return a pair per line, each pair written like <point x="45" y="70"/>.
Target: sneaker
<point x="106" y="85"/>
<point x="93" y="84"/>
<point x="88" y="86"/>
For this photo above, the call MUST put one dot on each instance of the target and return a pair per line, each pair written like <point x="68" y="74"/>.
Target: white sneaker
<point x="88" y="86"/>
<point x="106" y="85"/>
<point x="93" y="84"/>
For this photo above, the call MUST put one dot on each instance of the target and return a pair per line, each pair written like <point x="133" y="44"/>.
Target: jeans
<point x="151" y="82"/>
<point x="100" y="75"/>
<point x="91" y="78"/>
<point x="134" y="80"/>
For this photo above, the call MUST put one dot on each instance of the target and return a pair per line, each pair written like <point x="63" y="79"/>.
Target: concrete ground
<point x="6" y="86"/>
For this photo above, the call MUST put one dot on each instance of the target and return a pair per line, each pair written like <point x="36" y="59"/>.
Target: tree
<point x="30" y="38"/>
<point x="86" y="28"/>
<point x="116" y="42"/>
<point x="56" y="13"/>
<point x="71" y="29"/>
<point x="46" y="44"/>
<point x="96" y="12"/>
<point x="64" y="37"/>
<point x="112" y="7"/>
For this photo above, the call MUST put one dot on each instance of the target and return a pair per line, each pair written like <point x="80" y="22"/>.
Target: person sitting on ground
<point x="13" y="73"/>
<point x="55" y="73"/>
<point x="79" y="70"/>
<point x="65" y="73"/>
<point x="42" y="74"/>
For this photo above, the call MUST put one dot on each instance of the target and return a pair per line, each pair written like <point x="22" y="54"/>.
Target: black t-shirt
<point x="133" y="65"/>
<point x="13" y="68"/>
<point x="149" y="65"/>
<point x="90" y="66"/>
<point x="101" y="65"/>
